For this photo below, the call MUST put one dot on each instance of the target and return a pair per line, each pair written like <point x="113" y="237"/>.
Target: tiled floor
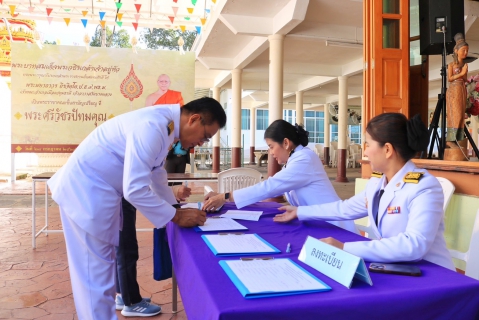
<point x="35" y="283"/>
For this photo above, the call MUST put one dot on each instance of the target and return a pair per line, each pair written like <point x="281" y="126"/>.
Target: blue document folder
<point x="311" y="284"/>
<point x="241" y="251"/>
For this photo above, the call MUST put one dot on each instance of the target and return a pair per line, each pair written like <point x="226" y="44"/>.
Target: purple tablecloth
<point x="208" y="293"/>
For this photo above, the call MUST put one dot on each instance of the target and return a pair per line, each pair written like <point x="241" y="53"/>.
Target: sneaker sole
<point x="138" y="314"/>
<point x="119" y="308"/>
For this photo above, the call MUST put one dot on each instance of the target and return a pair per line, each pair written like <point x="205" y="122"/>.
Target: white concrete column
<point x="343" y="112"/>
<point x="342" y="129"/>
<point x="276" y="57"/>
<point x="299" y="108"/>
<point x="252" y="135"/>
<point x="236" y="118"/>
<point x="216" y="138"/>
<point x="327" y="124"/>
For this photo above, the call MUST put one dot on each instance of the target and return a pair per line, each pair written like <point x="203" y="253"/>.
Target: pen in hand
<point x="288" y="248"/>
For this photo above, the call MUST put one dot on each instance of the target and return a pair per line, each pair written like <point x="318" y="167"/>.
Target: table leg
<point x="46" y="208"/>
<point x="174" y="289"/>
<point x="33" y="215"/>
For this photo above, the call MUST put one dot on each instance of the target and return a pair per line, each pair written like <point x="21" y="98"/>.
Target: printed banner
<point x="61" y="93"/>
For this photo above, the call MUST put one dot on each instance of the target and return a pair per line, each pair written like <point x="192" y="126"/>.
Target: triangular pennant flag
<point x="102" y="15"/>
<point x="151" y="29"/>
<point x="49" y="20"/>
<point x="118" y="5"/>
<point x="137" y="17"/>
<point x="183" y="28"/>
<point x="175" y="10"/>
<point x="203" y="20"/>
<point x="137" y="6"/>
<point x="193" y="2"/>
<point x="119" y="23"/>
<point x="214" y="1"/>
<point x="67" y="10"/>
<point x="84" y="21"/>
<point x="49" y="10"/>
<point x="119" y="16"/>
<point x="135" y="25"/>
<point x="12" y="9"/>
<point x="187" y="18"/>
<point x="1" y="1"/>
<point x="41" y="1"/>
<point x="171" y="18"/>
<point x="190" y="10"/>
<point x="67" y="21"/>
<point x="84" y="13"/>
<point x="30" y="9"/>
<point x="103" y="23"/>
<point x="198" y="29"/>
<point x="175" y="1"/>
<point x="207" y="10"/>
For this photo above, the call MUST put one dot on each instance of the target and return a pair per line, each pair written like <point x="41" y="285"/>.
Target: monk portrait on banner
<point x="164" y="95"/>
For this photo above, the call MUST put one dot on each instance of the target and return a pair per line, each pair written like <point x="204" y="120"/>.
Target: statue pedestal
<point x="455" y="154"/>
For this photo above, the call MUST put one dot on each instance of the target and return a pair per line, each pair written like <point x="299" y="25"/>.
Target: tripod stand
<point x="440" y="111"/>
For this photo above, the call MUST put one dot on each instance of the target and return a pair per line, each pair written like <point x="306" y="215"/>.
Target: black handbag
<point x="162" y="265"/>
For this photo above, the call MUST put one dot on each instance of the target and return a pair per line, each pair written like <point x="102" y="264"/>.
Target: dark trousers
<point x="176" y="165"/>
<point x="127" y="256"/>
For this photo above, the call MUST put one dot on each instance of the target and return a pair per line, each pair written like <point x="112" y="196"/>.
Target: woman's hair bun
<point x="417" y="134"/>
<point x="303" y="135"/>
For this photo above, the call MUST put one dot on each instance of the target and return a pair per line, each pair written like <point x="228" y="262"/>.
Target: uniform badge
<point x="171" y="127"/>
<point x="413" y="177"/>
<point x="376" y="174"/>
<point x="394" y="210"/>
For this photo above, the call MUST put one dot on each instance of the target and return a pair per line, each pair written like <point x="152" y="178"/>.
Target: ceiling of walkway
<point x="236" y="37"/>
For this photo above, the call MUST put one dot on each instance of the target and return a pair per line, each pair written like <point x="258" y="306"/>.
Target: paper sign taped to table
<point x="333" y="262"/>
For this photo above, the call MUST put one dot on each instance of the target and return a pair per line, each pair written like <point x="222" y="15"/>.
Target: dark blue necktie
<point x="379" y="200"/>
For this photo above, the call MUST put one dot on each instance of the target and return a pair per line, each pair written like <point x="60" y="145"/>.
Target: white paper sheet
<point x="242" y="215"/>
<point x="277" y="275"/>
<point x="221" y="224"/>
<point x="243" y="243"/>
<point x="194" y="205"/>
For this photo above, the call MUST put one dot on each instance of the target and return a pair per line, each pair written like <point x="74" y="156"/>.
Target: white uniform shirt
<point x="303" y="181"/>
<point x="122" y="157"/>
<point x="415" y="232"/>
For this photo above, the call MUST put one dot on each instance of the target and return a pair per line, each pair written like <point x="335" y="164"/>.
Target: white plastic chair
<point x="447" y="189"/>
<point x="333" y="151"/>
<point x="319" y="149"/>
<point x="235" y="178"/>
<point x="471" y="256"/>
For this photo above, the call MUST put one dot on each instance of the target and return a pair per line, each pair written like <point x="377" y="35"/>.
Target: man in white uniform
<point x="123" y="157"/>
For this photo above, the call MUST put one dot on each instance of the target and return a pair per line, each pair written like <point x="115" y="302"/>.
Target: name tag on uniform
<point x="394" y="210"/>
<point x="333" y="262"/>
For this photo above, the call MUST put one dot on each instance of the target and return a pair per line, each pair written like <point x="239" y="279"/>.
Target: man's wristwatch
<point x="227" y="195"/>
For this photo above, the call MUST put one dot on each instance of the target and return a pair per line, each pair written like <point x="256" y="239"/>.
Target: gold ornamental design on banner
<point x="131" y="87"/>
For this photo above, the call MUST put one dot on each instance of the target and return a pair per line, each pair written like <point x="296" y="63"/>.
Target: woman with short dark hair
<point x="403" y="203"/>
<point x="302" y="179"/>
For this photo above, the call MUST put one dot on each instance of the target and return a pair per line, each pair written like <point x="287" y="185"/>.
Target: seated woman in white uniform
<point x="403" y="203"/>
<point x="302" y="179"/>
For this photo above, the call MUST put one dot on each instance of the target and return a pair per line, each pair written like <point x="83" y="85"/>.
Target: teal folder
<point x="317" y="285"/>
<point x="243" y="253"/>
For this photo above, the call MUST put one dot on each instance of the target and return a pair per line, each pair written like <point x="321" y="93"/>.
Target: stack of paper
<point x="220" y="224"/>
<point x="238" y="244"/>
<point x="242" y="215"/>
<point x="274" y="277"/>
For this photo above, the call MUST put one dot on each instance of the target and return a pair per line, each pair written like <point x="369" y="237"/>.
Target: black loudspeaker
<point x="433" y="15"/>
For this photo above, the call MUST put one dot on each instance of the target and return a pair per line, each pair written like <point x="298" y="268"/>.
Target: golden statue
<point x="456" y="102"/>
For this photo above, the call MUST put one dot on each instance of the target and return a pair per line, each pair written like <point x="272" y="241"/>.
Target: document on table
<point x="238" y="244"/>
<point x="242" y="215"/>
<point x="220" y="224"/>
<point x="275" y="277"/>
<point x="194" y="205"/>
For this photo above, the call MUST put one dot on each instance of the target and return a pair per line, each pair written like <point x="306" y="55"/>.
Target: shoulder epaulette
<point x="413" y="177"/>
<point x="376" y="174"/>
<point x="171" y="127"/>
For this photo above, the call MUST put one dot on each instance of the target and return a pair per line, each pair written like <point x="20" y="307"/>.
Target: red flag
<point x="135" y="25"/>
<point x="49" y="10"/>
<point x="138" y="6"/>
<point x="171" y="18"/>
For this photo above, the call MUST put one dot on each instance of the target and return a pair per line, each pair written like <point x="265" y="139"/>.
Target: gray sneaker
<point x="141" y="309"/>
<point x="120" y="304"/>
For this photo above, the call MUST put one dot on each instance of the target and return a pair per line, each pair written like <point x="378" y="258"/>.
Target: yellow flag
<point x="67" y="21"/>
<point x="12" y="9"/>
<point x="203" y="20"/>
<point x="119" y="15"/>
<point x="84" y="13"/>
<point x="190" y="10"/>
<point x="183" y="28"/>
<point x="103" y="22"/>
